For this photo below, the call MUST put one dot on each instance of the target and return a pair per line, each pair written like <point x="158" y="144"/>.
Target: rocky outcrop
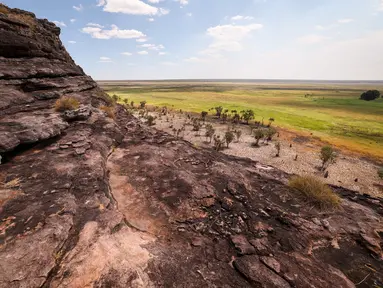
<point x="88" y="201"/>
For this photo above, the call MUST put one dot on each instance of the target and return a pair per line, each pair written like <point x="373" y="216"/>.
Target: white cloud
<point x="189" y="14"/>
<point x="114" y="32"/>
<point x="95" y="25"/>
<point x="162" y="53"/>
<point x="59" y="23"/>
<point x="163" y="11"/>
<point x="232" y="32"/>
<point x="152" y="46"/>
<point x="183" y="2"/>
<point x="193" y="60"/>
<point x="312" y="39"/>
<point x="167" y="63"/>
<point x="380" y="8"/>
<point x="240" y="17"/>
<point x="345" y="21"/>
<point x="101" y="3"/>
<point x="78" y="8"/>
<point x="72" y="20"/>
<point x="141" y="40"/>
<point x="142" y="52"/>
<point x="72" y="42"/>
<point x="154" y="1"/>
<point x="151" y="19"/>
<point x="135" y="7"/>
<point x="126" y="53"/>
<point x="105" y="60"/>
<point x="228" y="38"/>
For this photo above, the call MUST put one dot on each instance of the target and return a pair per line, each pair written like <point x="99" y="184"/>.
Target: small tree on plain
<point x="328" y="156"/>
<point x="236" y="117"/>
<point x="269" y="133"/>
<point x="218" y="143"/>
<point x="229" y="137"/>
<point x="203" y="115"/>
<point x="258" y="135"/>
<point x="142" y="104"/>
<point x="115" y="98"/>
<point x="238" y="134"/>
<point x="218" y="111"/>
<point x="150" y="120"/>
<point x="196" y="125"/>
<point x="271" y="120"/>
<point x="278" y="147"/>
<point x="247" y="115"/>
<point x="209" y="132"/>
<point x="370" y="95"/>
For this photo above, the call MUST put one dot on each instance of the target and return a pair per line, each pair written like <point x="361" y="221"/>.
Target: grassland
<point x="331" y="112"/>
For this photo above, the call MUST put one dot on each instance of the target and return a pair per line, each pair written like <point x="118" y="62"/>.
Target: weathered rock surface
<point x="96" y="202"/>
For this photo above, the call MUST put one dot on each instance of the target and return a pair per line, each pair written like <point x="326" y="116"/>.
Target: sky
<point x="219" y="39"/>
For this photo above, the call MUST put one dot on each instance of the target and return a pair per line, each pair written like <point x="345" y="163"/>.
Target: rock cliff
<point x="101" y="202"/>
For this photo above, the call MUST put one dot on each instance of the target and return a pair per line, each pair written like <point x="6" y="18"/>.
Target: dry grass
<point x="3" y="9"/>
<point x="109" y="111"/>
<point x="66" y="103"/>
<point x="314" y="191"/>
<point x="12" y="184"/>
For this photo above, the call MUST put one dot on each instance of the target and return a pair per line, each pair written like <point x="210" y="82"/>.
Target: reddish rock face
<point x="88" y="201"/>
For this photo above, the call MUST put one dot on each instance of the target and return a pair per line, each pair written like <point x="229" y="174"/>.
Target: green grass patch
<point x="334" y="115"/>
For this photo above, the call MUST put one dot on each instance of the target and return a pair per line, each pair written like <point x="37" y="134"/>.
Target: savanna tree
<point x="218" y="111"/>
<point x="258" y="135"/>
<point x="229" y="137"/>
<point x="247" y="115"/>
<point x="203" y="115"/>
<point x="209" y="132"/>
<point x="370" y="95"/>
<point x="142" y="104"/>
<point x="328" y="156"/>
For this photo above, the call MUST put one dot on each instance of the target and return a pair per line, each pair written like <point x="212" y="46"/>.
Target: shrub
<point x="203" y="115"/>
<point x="229" y="137"/>
<point x="271" y="120"/>
<point x="380" y="172"/>
<point x="278" y="147"/>
<point x="66" y="103"/>
<point x="236" y="117"/>
<point x="269" y="133"/>
<point x="132" y="104"/>
<point x="258" y="135"/>
<point x="314" y="191"/>
<point x="150" y="120"/>
<point x="142" y="104"/>
<point x="218" y="111"/>
<point x="370" y="95"/>
<point x="238" y="134"/>
<point x="247" y="115"/>
<point x="218" y="143"/>
<point x="115" y="98"/>
<point x="196" y="125"/>
<point x="109" y="111"/>
<point x="126" y="101"/>
<point x="209" y="132"/>
<point x="328" y="156"/>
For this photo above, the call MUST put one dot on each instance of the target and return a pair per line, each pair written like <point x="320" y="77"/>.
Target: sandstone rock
<point x="242" y="245"/>
<point x="258" y="274"/>
<point x="112" y="203"/>
<point x="82" y="113"/>
<point x="271" y="263"/>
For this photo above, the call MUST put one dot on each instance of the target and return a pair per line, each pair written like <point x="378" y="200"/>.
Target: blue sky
<point x="185" y="39"/>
